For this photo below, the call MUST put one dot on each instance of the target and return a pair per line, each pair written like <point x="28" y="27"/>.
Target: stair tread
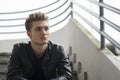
<point x="5" y="54"/>
<point x="4" y="61"/>
<point x="3" y="71"/>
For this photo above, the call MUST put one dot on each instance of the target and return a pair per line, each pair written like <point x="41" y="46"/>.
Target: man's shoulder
<point x="20" y="48"/>
<point x="22" y="44"/>
<point x="55" y="46"/>
<point x="58" y="49"/>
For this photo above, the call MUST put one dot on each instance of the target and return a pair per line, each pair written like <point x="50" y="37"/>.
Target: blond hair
<point x="35" y="17"/>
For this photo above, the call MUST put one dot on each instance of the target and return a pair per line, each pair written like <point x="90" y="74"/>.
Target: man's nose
<point x="43" y="31"/>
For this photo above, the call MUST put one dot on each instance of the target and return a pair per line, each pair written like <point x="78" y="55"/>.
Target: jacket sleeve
<point x="64" y="68"/>
<point x="14" y="65"/>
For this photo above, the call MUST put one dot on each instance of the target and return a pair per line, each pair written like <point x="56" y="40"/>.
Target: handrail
<point x="42" y="7"/>
<point x="88" y="22"/>
<point x="61" y="20"/>
<point x="1" y="26"/>
<point x="12" y="19"/>
<point x="67" y="7"/>
<point x="25" y="31"/>
<point x="60" y="13"/>
<point x="102" y="20"/>
<point x="50" y="18"/>
<point x="115" y="43"/>
<point x="4" y="13"/>
<point x="57" y="7"/>
<point x="86" y="9"/>
<point x="115" y="26"/>
<point x="116" y="10"/>
<point x="110" y="8"/>
<point x="12" y="32"/>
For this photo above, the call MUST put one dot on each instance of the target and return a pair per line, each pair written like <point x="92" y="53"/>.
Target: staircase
<point x="4" y="59"/>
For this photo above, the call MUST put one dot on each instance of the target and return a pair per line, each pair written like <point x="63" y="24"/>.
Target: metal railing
<point x="102" y="20"/>
<point x="66" y="9"/>
<point x="70" y="5"/>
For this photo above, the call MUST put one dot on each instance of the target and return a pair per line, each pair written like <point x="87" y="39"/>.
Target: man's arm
<point x="14" y="66"/>
<point x="64" y="68"/>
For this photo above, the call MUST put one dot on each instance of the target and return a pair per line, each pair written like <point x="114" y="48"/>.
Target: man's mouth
<point x="44" y="38"/>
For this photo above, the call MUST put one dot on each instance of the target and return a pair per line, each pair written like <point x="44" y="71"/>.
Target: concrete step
<point x="3" y="71"/>
<point x="4" y="60"/>
<point x="3" y="74"/>
<point x="4" y="57"/>
<point x="2" y="77"/>
<point x="3" y="66"/>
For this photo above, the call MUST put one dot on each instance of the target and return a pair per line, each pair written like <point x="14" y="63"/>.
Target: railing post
<point x="101" y="10"/>
<point x="71" y="3"/>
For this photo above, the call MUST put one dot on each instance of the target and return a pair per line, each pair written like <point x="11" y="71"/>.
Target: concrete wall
<point x="99" y="64"/>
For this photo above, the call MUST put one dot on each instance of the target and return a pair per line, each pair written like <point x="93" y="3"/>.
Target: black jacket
<point x="55" y="64"/>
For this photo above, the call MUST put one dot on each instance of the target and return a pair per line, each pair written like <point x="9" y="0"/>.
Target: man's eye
<point x="38" y="29"/>
<point x="46" y="28"/>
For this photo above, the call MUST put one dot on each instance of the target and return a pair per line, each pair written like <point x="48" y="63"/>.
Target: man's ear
<point x="29" y="34"/>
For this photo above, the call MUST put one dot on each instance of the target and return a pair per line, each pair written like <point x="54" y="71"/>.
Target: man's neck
<point x="39" y="49"/>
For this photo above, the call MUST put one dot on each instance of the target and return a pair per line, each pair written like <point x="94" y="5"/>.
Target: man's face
<point x="39" y="33"/>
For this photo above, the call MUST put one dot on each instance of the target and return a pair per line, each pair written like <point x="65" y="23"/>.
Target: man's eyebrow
<point x="38" y="27"/>
<point x="41" y="26"/>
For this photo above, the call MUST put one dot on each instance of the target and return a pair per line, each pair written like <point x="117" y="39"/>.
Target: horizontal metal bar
<point x="60" y="13"/>
<point x="110" y="23"/>
<point x="57" y="7"/>
<point x="86" y="9"/>
<point x="12" y="32"/>
<point x="23" y="25"/>
<point x="94" y="1"/>
<point x="61" y="20"/>
<point x="1" y="26"/>
<point x="115" y="43"/>
<point x="45" y="13"/>
<point x="12" y="19"/>
<point x="113" y="9"/>
<point x="88" y="22"/>
<point x="50" y="18"/>
<point x="3" y="13"/>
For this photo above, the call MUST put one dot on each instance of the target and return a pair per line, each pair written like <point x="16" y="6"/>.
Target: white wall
<point x="7" y="45"/>
<point x="99" y="64"/>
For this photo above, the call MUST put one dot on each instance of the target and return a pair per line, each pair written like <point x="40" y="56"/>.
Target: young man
<point x="39" y="59"/>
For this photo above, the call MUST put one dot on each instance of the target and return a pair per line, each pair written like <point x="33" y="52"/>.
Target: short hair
<point x="34" y="17"/>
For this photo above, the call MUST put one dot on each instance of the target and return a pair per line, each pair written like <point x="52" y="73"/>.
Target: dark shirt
<point x="38" y="75"/>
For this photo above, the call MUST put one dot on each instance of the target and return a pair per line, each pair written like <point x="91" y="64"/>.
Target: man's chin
<point x="45" y="42"/>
